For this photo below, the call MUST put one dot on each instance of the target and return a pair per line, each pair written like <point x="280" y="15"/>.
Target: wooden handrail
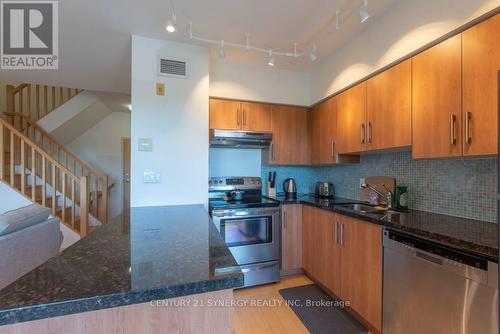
<point x="54" y="141"/>
<point x="24" y="119"/>
<point x="29" y="156"/>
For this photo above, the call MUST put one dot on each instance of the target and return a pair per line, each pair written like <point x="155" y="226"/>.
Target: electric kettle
<point x="290" y="188"/>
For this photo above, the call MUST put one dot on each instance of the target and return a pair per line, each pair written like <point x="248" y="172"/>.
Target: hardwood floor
<point x="267" y="319"/>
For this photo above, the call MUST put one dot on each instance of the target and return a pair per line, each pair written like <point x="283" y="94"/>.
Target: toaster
<point x="325" y="190"/>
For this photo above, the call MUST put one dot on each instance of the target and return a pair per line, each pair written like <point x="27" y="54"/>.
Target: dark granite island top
<point x="473" y="236"/>
<point x="159" y="253"/>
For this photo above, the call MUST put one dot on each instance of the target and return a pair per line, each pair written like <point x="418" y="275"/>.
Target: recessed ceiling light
<point x="170" y="27"/>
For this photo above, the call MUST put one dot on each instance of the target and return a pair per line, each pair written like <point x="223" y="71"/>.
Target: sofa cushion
<point x="15" y="220"/>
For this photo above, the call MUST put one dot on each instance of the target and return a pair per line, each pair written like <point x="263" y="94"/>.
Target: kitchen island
<point x="161" y="267"/>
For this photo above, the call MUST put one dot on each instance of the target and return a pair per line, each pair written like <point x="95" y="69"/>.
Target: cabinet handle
<point x="284" y="220"/>
<point x="336" y="232"/>
<point x="333" y="149"/>
<point x="467" y="118"/>
<point x="244" y="117"/>
<point x="238" y="117"/>
<point x="369" y="132"/>
<point x="342" y="241"/>
<point x="363" y="133"/>
<point x="272" y="151"/>
<point x="453" y="138"/>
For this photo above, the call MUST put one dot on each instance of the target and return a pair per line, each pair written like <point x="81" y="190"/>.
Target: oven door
<point x="252" y="235"/>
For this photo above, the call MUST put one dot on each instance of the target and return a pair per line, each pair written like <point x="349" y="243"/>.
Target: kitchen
<point x="365" y="190"/>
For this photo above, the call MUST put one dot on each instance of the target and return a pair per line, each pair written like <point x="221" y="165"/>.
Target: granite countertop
<point x="472" y="236"/>
<point x="159" y="253"/>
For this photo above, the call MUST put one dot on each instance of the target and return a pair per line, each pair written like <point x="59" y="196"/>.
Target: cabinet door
<point x="351" y="120"/>
<point x="256" y="116"/>
<point x="437" y="101"/>
<point x="388" y="108"/>
<point x="308" y="239"/>
<point x="291" y="245"/>
<point x="481" y="63"/>
<point x="362" y="269"/>
<point x="333" y="256"/>
<point x="323" y="242"/>
<point x="290" y="138"/>
<point x="323" y="128"/>
<point x="225" y="114"/>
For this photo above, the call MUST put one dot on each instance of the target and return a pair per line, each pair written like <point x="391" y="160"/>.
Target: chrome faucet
<point x="387" y="197"/>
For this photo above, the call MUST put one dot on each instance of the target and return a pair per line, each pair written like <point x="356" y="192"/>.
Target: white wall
<point x="258" y="83"/>
<point x="403" y="29"/>
<point x="235" y="162"/>
<point x="177" y="123"/>
<point x="11" y="199"/>
<point x="101" y="148"/>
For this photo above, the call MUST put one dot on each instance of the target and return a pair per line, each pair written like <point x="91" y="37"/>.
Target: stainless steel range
<point x="249" y="224"/>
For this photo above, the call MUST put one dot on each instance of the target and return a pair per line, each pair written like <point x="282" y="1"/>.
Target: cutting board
<point x="377" y="182"/>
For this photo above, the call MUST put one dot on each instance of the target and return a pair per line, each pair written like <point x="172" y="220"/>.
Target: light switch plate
<point x="160" y="89"/>
<point x="151" y="177"/>
<point x="145" y="144"/>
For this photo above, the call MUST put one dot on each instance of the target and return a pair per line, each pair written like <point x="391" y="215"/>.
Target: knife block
<point x="271" y="192"/>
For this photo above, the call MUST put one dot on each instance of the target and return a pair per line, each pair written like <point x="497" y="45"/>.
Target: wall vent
<point x="172" y="67"/>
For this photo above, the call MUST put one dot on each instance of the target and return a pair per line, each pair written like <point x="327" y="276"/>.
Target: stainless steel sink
<point x="364" y="208"/>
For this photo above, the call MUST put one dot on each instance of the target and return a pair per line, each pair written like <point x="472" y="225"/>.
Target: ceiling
<point x="95" y="42"/>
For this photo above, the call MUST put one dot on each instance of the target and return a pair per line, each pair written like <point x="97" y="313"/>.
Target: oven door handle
<point x="259" y="267"/>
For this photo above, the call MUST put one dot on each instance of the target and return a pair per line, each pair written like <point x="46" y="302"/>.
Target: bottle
<point x="402" y="197"/>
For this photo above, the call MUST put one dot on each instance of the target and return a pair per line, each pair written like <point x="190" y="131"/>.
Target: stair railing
<point x="37" y="101"/>
<point x="98" y="183"/>
<point x="23" y="162"/>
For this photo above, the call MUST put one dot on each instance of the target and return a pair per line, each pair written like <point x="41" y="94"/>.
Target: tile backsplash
<point x="458" y="187"/>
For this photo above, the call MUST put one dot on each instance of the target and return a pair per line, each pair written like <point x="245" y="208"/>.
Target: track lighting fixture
<point x="363" y="12"/>
<point x="312" y="54"/>
<point x="171" y="25"/>
<point x="270" y="61"/>
<point x="222" y="53"/>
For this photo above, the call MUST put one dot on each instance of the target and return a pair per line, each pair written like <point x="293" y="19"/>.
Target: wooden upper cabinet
<point x="361" y="272"/>
<point x="388" y="108"/>
<point x="256" y="116"/>
<point x="481" y="63"/>
<point x="323" y="126"/>
<point x="351" y="120"/>
<point x="291" y="237"/>
<point x="437" y="101"/>
<point x="224" y="114"/>
<point x="290" y="138"/>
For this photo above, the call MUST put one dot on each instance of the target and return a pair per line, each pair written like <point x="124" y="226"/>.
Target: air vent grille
<point x="173" y="67"/>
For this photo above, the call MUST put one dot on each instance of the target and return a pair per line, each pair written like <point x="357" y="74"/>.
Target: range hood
<point x="240" y="139"/>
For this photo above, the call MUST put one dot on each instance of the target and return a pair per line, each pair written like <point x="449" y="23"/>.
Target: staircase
<point x="42" y="169"/>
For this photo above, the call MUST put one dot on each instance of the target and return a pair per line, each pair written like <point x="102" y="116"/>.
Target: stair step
<point x="38" y="194"/>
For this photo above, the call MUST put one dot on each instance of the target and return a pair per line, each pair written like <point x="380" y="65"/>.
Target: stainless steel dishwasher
<point x="430" y="288"/>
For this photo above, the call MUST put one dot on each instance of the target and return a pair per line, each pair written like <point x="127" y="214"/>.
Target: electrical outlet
<point x="151" y="177"/>
<point x="361" y="182"/>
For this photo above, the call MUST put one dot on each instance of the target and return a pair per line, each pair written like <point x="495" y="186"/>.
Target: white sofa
<point x="29" y="236"/>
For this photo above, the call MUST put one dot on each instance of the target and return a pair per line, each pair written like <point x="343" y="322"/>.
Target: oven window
<point x="247" y="231"/>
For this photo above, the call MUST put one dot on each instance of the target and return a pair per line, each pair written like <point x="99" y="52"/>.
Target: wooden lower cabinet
<point x="291" y="238"/>
<point x="361" y="280"/>
<point x="350" y="268"/>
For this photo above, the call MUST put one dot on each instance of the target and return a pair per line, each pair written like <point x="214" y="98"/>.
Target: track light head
<point x="363" y="12"/>
<point x="312" y="54"/>
<point x="171" y="25"/>
<point x="222" y="53"/>
<point x="270" y="61"/>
